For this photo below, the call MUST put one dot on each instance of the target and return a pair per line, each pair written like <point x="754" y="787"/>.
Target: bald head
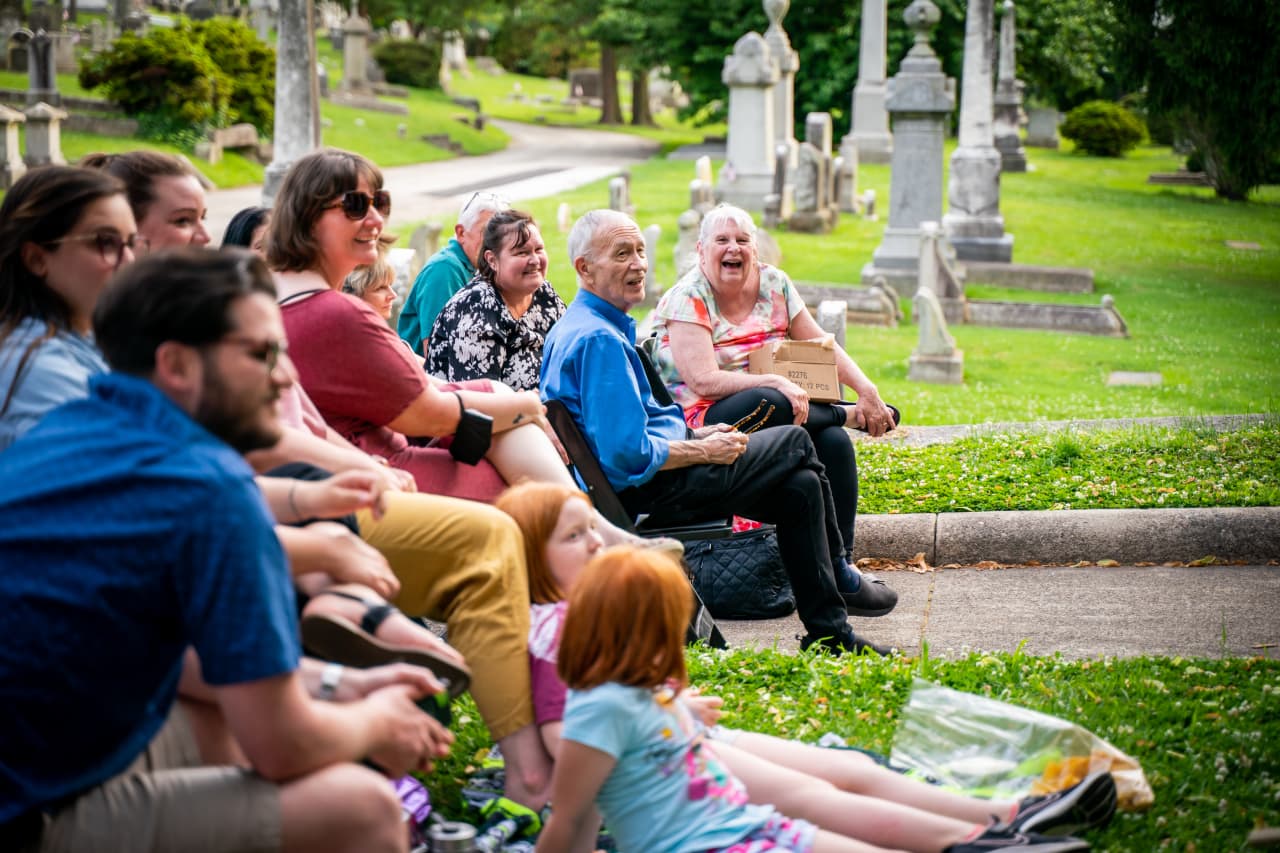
<point x="607" y="251"/>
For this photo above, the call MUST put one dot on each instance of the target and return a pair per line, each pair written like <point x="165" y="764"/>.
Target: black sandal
<point x="336" y="639"/>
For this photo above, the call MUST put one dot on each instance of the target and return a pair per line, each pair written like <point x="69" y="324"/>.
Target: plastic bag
<point x="989" y="748"/>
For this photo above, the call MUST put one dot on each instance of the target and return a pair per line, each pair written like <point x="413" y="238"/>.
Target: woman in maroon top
<point x="328" y="217"/>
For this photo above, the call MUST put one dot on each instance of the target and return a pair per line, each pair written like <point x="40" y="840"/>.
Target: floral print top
<point x="693" y="301"/>
<point x="475" y="336"/>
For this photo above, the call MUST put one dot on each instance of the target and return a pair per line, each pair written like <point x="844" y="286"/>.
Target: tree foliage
<point x="1214" y="70"/>
<point x="181" y="81"/>
<point x="407" y="62"/>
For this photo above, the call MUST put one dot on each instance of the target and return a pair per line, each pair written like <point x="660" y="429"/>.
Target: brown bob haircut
<point x="626" y="622"/>
<point x="310" y="186"/>
<point x="536" y="509"/>
<point x="139" y="171"/>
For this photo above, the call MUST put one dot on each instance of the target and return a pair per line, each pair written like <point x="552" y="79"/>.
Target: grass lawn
<point x="1206" y="316"/>
<point x="1206" y="732"/>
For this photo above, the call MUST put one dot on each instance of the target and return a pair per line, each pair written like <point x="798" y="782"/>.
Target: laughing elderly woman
<point x="727" y="307"/>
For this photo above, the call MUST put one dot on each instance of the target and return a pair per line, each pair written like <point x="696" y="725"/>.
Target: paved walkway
<point x="1123" y="611"/>
<point x="540" y="161"/>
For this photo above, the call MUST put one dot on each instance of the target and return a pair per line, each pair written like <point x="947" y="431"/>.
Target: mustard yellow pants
<point x="462" y="563"/>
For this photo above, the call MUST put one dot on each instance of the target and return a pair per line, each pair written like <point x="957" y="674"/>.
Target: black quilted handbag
<point x="741" y="576"/>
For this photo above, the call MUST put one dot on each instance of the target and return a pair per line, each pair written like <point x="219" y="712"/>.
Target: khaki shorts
<point x="167" y="801"/>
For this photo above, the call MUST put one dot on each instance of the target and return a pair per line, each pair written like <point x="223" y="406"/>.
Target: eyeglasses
<point x="355" y="204"/>
<point x="110" y="245"/>
<point x="496" y="201"/>
<point x="267" y="352"/>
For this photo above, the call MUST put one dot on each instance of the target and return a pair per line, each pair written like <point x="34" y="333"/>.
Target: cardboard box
<point x="809" y="364"/>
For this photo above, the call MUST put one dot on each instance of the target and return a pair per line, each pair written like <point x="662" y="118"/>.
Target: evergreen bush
<point x="409" y="63"/>
<point x="1102" y="129"/>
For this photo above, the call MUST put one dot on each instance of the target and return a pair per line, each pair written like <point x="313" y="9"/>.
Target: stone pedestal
<point x="751" y="74"/>
<point x="44" y="136"/>
<point x="297" y="125"/>
<point x="869" y="134"/>
<point x="920" y="99"/>
<point x="1008" y="98"/>
<point x="355" y="56"/>
<point x="935" y="358"/>
<point x="973" y="222"/>
<point x="784" y="91"/>
<point x="813" y="210"/>
<point x="11" y="165"/>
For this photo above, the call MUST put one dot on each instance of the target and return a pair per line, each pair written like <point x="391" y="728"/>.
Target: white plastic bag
<point x="989" y="748"/>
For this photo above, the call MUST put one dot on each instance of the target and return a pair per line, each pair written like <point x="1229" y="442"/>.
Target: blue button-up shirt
<point x="590" y="364"/>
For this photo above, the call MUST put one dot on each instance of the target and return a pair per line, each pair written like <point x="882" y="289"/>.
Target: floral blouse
<point x="693" y="301"/>
<point x="475" y="336"/>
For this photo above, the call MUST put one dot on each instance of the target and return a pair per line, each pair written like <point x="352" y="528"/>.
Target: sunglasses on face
<point x="355" y="204"/>
<point x="110" y="245"/>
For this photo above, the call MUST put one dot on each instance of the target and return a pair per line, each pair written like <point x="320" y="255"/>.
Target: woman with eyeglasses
<point x="165" y="193"/>
<point x="64" y="231"/>
<point x="495" y="327"/>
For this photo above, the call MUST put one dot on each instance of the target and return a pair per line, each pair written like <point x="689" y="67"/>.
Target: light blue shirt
<point x="590" y="364"/>
<point x="56" y="371"/>
<point x="668" y="793"/>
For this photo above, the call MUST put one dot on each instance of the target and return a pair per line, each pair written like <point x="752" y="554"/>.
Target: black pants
<point x="768" y="407"/>
<point x="778" y="479"/>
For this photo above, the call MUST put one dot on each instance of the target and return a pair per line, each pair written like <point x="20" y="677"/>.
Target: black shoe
<point x="999" y="838"/>
<point x="864" y="594"/>
<point x="843" y="641"/>
<point x="1088" y="804"/>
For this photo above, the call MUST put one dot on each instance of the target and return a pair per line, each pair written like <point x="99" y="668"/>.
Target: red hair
<point x="626" y="622"/>
<point x="536" y="507"/>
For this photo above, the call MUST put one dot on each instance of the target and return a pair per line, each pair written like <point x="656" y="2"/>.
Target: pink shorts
<point x="778" y="835"/>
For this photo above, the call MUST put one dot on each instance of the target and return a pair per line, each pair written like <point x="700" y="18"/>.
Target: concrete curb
<point x="1068" y="536"/>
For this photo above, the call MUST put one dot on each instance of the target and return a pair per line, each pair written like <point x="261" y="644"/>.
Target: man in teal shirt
<point x="448" y="271"/>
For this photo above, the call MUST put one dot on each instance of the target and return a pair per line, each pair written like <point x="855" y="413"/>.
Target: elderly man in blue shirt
<point x="660" y="467"/>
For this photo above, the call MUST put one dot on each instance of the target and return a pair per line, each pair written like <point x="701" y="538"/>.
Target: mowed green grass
<point x="1206" y="316"/>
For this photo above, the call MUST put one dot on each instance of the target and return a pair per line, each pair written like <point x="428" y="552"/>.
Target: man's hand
<point x="410" y="739"/>
<point x="348" y="559"/>
<point x="711" y="429"/>
<point x="723" y="448"/>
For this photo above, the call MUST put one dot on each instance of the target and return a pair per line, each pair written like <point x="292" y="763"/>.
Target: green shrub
<point x="249" y="66"/>
<point x="164" y="74"/>
<point x="409" y="63"/>
<point x="1103" y="129"/>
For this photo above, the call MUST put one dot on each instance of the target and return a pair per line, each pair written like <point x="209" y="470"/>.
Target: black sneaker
<point x="1088" y="804"/>
<point x="999" y="837"/>
<point x="864" y="594"/>
<point x="843" y="641"/>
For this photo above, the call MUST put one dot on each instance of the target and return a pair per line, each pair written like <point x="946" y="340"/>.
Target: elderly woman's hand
<point x="870" y="413"/>
<point x="796" y="396"/>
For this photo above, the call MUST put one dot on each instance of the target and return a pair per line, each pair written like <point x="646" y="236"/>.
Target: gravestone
<point x="44" y="136"/>
<point x="920" y="99"/>
<point x="702" y="170"/>
<point x="751" y="74"/>
<point x="973" y="222"/>
<point x="10" y="23"/>
<point x="1008" y="97"/>
<point x="65" y="60"/>
<point x="425" y="242"/>
<point x="818" y="132"/>
<point x="652" y="233"/>
<point x="335" y="38"/>
<point x="42" y="80"/>
<point x="453" y="53"/>
<point x="812" y="182"/>
<point x="784" y="91"/>
<point x="833" y="319"/>
<point x="686" y="251"/>
<point x="935" y="358"/>
<point x="200" y="10"/>
<point x="262" y="13"/>
<point x="322" y="80"/>
<point x="355" y="56"/>
<point x="11" y="165"/>
<point x="297" y="125"/>
<point x="869" y="140"/>
<point x="97" y="37"/>
<point x="620" y="196"/>
<point x="779" y="203"/>
<point x="584" y="84"/>
<point x="1042" y="127"/>
<point x="40" y="17"/>
<point x="401" y="30"/>
<point x="767" y="249"/>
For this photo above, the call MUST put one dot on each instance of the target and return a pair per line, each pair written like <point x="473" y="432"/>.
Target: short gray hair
<point x="480" y="203"/>
<point x="582" y="237"/>
<point x="722" y="213"/>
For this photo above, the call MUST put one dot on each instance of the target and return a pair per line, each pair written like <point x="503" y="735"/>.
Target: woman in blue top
<point x="64" y="231"/>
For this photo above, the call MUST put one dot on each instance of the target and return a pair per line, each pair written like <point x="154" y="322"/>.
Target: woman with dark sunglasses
<point x="63" y="232"/>
<point x="165" y="192"/>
